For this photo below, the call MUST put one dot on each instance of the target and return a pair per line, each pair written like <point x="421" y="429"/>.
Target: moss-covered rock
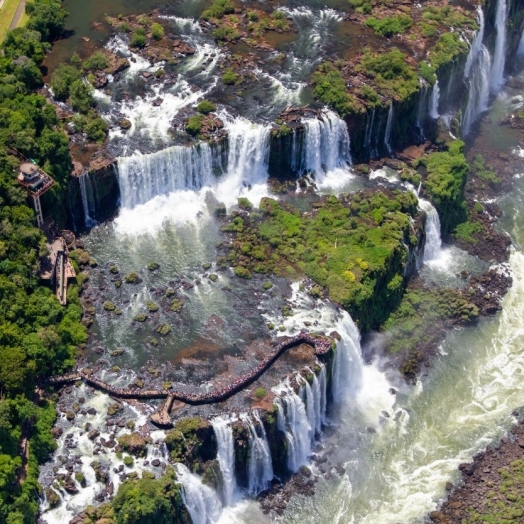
<point x="191" y="441"/>
<point x="134" y="444"/>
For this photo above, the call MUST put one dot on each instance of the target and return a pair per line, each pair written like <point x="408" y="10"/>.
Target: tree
<point x="62" y="79"/>
<point x="47" y="17"/>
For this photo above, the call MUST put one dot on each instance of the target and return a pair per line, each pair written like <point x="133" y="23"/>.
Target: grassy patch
<point x="355" y="248"/>
<point x="7" y="14"/>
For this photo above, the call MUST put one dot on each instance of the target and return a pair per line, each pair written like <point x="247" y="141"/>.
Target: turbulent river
<point x="398" y="450"/>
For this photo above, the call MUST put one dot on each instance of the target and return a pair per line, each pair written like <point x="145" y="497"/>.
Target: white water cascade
<point x="499" y="56"/>
<point x="315" y="404"/>
<point x="433" y="240"/>
<point x="87" y="193"/>
<point x="326" y="145"/>
<point x="226" y="457"/>
<point x="389" y="126"/>
<point x="293" y="421"/>
<point x="260" y="469"/>
<point x="370" y="123"/>
<point x="434" y="101"/>
<point x="180" y="168"/>
<point x="477" y="74"/>
<point x="200" y="500"/>
<point x="142" y="177"/>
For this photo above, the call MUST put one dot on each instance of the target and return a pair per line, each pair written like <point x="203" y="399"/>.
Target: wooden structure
<point x="36" y="182"/>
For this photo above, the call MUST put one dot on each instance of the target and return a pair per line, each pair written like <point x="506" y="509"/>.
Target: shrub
<point x="96" y="61"/>
<point x="194" y="124"/>
<point x="390" y="25"/>
<point x="226" y="34"/>
<point x="260" y="393"/>
<point x="242" y="272"/>
<point x="151" y="306"/>
<point x="361" y="6"/>
<point x="124" y="27"/>
<point x="466" y="230"/>
<point x="229" y="77"/>
<point x="330" y="88"/>
<point x="205" y="107"/>
<point x="218" y="9"/>
<point x="138" y="39"/>
<point x="157" y="31"/>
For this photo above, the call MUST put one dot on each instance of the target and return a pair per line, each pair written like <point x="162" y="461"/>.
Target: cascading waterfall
<point x="422" y="109"/>
<point x="499" y="56"/>
<point x="88" y="197"/>
<point x="314" y="404"/>
<point x="346" y="371"/>
<point x="434" y="101"/>
<point x="293" y="421"/>
<point x="142" y="177"/>
<point x="433" y="239"/>
<point x="200" y="500"/>
<point x="326" y="145"/>
<point x="370" y="122"/>
<point x="226" y="457"/>
<point x="477" y="74"/>
<point x="260" y="469"/>
<point x="389" y="126"/>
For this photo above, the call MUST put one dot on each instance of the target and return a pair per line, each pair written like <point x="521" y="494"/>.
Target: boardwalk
<point x="321" y="344"/>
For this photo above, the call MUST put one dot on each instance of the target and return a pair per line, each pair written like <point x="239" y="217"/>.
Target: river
<point x="398" y="451"/>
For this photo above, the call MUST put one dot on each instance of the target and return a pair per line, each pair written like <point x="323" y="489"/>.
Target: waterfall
<point x="260" y="469"/>
<point x="346" y="371"/>
<point x="369" y="132"/>
<point x="499" y="57"/>
<point x="326" y="145"/>
<point x="314" y="405"/>
<point x="477" y="73"/>
<point x="241" y="163"/>
<point x="200" y="500"/>
<point x="142" y="177"/>
<point x="322" y="382"/>
<point x="434" y="101"/>
<point x="87" y="193"/>
<point x="433" y="240"/>
<point x="293" y="421"/>
<point x="226" y="457"/>
<point x="389" y="125"/>
<point x="422" y="109"/>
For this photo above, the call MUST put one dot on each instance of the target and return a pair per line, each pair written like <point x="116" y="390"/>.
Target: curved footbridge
<point x="321" y="344"/>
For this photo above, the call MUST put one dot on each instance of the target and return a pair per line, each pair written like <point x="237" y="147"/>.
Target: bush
<point x="226" y="34"/>
<point x="194" y="124"/>
<point x="260" y="393"/>
<point x="390" y="25"/>
<point x="361" y="6"/>
<point x="95" y="62"/>
<point x="62" y="79"/>
<point x="242" y="272"/>
<point x="466" y="230"/>
<point x="330" y="88"/>
<point x="124" y="27"/>
<point x="218" y="9"/>
<point x="205" y="107"/>
<point x="157" y="31"/>
<point x="138" y="39"/>
<point x="229" y="77"/>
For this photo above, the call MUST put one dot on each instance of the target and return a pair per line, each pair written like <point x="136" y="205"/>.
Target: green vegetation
<point x="391" y="73"/>
<point x="194" y="124"/>
<point x="230" y="77"/>
<point x="445" y="182"/>
<point x="191" y="440"/>
<point x="391" y="25"/>
<point x="485" y="173"/>
<point x="151" y="306"/>
<point x="361" y="6"/>
<point x="157" y="31"/>
<point x="205" y="107"/>
<point x="153" y="266"/>
<point x="504" y="503"/>
<point x="226" y="34"/>
<point x="218" y="9"/>
<point x="176" y="305"/>
<point x="466" y="230"/>
<point x="448" y="47"/>
<point x="96" y="62"/>
<point x="353" y="246"/>
<point x="260" y="393"/>
<point x="422" y="309"/>
<point x="448" y="16"/>
<point x="427" y="72"/>
<point x="38" y="336"/>
<point x="139" y="38"/>
<point x="330" y="88"/>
